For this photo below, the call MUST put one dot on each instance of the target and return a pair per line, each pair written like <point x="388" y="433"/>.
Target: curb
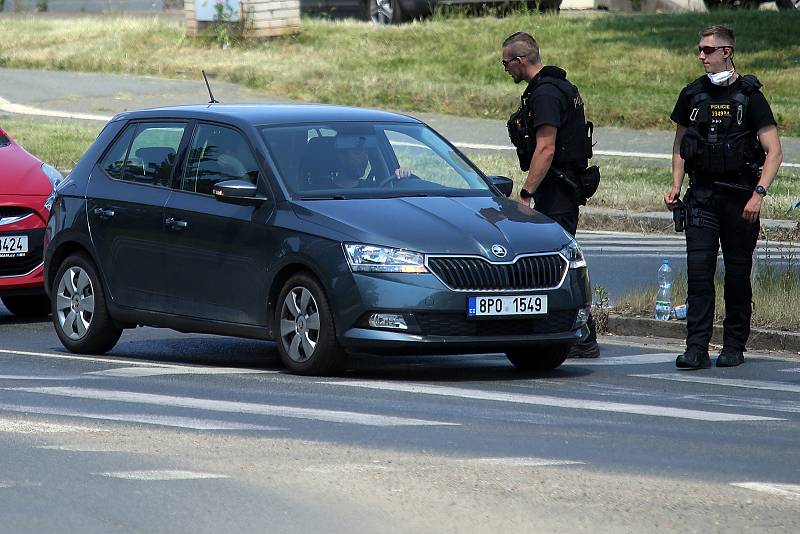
<point x="657" y="218"/>
<point x="760" y="338"/>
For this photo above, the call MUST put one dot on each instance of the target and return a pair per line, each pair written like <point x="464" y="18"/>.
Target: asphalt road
<point x="193" y="433"/>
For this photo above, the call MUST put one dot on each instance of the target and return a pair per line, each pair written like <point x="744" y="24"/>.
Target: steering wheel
<point x="388" y="180"/>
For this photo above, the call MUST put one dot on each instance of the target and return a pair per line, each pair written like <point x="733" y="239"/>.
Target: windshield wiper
<point x="325" y="197"/>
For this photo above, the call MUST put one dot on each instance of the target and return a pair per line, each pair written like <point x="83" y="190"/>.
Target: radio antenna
<point x="213" y="100"/>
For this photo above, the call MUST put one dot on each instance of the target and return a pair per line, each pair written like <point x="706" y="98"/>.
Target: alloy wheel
<point x="75" y="302"/>
<point x="300" y="324"/>
<point x="382" y="11"/>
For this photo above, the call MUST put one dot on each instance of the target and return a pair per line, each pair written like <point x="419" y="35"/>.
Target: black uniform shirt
<point x="759" y="114"/>
<point x="549" y="106"/>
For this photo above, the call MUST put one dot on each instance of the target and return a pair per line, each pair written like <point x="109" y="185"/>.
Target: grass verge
<point x="629" y="68"/>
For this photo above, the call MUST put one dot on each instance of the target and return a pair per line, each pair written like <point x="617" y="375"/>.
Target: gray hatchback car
<point x="327" y="229"/>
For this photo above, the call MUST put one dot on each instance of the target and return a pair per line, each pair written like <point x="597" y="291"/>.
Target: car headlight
<point x="52" y="173"/>
<point x="572" y="251"/>
<point x="372" y="258"/>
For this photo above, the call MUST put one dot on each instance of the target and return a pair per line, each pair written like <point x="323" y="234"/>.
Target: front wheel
<point x="542" y="358"/>
<point x="80" y="313"/>
<point x="27" y="306"/>
<point x="307" y="340"/>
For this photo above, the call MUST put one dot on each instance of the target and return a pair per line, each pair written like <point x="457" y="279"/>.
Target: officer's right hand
<point x="671" y="198"/>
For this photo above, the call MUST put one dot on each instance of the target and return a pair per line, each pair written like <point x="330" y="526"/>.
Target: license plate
<point x="13" y="245"/>
<point x="507" y="305"/>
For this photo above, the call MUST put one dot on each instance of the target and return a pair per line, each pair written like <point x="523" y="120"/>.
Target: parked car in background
<point x="327" y="229"/>
<point x="25" y="185"/>
<point x="398" y="11"/>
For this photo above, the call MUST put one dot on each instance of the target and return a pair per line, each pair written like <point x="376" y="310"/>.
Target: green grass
<point x="59" y="143"/>
<point x="629" y="68"/>
<point x="774" y="298"/>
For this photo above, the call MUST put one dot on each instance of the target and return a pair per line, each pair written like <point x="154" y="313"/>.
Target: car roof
<point x="268" y="114"/>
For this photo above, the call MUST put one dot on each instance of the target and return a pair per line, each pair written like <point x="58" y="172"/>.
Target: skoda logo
<point x="499" y="251"/>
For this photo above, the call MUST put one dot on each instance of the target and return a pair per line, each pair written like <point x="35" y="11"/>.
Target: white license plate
<point x="507" y="305"/>
<point x="13" y="245"/>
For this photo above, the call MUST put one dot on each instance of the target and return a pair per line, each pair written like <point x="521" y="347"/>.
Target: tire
<point x="383" y="12"/>
<point x="80" y="313"/>
<point x="788" y="4"/>
<point x="306" y="334"/>
<point x="543" y="358"/>
<point x="28" y="306"/>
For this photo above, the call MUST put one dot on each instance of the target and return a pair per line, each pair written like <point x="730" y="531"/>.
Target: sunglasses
<point x="507" y="62"/>
<point x="708" y="50"/>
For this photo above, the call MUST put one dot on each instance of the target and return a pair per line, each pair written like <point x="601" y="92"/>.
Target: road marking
<point x="790" y="491"/>
<point x="611" y="153"/>
<point x="331" y="416"/>
<point x="791" y="370"/>
<point x="633" y="359"/>
<point x="556" y="402"/>
<point x="148" y="419"/>
<point x="21" y="109"/>
<point x="14" y="484"/>
<point x="524" y="462"/>
<point x="73" y="448"/>
<point x="42" y="427"/>
<point x="728" y="382"/>
<point x="35" y="377"/>
<point x="118" y="361"/>
<point x="140" y="372"/>
<point x="160" y="475"/>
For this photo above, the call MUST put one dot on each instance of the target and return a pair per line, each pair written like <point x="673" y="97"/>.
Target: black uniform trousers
<point x="738" y="239"/>
<point x="559" y="203"/>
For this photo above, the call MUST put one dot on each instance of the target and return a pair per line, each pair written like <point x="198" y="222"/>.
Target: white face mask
<point x="718" y="78"/>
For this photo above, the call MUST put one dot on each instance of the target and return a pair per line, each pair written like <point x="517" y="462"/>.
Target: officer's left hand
<point x="752" y="208"/>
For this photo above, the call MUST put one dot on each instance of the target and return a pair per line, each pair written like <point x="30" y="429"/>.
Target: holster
<point x="679" y="215"/>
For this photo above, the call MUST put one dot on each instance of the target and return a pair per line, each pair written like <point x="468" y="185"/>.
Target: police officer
<point x="727" y="141"/>
<point x="550" y="134"/>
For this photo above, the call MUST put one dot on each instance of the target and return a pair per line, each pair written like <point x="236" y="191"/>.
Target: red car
<point x="25" y="186"/>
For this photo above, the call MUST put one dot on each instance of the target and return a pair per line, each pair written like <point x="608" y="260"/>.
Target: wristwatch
<point x="524" y="193"/>
<point x="761" y="190"/>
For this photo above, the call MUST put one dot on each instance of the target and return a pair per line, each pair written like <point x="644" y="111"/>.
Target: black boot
<point x="730" y="358"/>
<point x="694" y="358"/>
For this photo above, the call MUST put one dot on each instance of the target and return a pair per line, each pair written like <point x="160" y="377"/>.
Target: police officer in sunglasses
<point x="727" y="141"/>
<point x="553" y="145"/>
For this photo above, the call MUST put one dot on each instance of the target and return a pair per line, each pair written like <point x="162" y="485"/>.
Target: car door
<point x="217" y="255"/>
<point x="126" y="194"/>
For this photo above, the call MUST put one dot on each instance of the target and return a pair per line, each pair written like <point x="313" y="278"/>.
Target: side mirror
<point x="237" y="192"/>
<point x="505" y="185"/>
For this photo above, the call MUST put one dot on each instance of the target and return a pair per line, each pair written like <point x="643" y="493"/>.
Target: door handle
<point x="103" y="213"/>
<point x="176" y="224"/>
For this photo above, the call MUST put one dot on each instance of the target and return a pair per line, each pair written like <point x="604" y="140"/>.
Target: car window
<point x="152" y="154"/>
<point x="358" y="159"/>
<point x="217" y="153"/>
<point x="4" y="141"/>
<point x="114" y="159"/>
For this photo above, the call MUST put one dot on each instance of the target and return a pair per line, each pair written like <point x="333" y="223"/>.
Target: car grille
<point x="455" y="324"/>
<point x="27" y="263"/>
<point x="477" y="274"/>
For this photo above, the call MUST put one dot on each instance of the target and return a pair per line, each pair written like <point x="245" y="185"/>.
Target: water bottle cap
<point x="665" y="262"/>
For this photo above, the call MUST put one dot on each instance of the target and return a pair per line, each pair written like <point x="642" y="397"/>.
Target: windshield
<point x="369" y="160"/>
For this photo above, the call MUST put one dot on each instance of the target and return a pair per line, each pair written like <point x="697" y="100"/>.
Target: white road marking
<point x="728" y="382"/>
<point x="791" y="370"/>
<point x="148" y="419"/>
<point x="525" y="462"/>
<point x="24" y="484"/>
<point x="633" y="359"/>
<point x="21" y="109"/>
<point x="332" y="416"/>
<point x="159" y="475"/>
<point x="118" y="361"/>
<point x="790" y="491"/>
<point x="140" y="372"/>
<point x="612" y="153"/>
<point x="35" y="377"/>
<point x="557" y="402"/>
<point x="74" y="448"/>
<point x="35" y="427"/>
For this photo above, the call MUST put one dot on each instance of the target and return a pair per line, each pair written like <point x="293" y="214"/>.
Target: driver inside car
<point x="352" y="154"/>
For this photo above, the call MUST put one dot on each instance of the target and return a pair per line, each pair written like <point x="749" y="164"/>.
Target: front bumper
<point x="437" y="316"/>
<point x="23" y="275"/>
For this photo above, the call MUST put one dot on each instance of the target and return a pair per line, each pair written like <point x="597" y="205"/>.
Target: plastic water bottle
<point x="664" y="295"/>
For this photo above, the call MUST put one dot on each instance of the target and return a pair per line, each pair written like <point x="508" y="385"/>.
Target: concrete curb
<point x="760" y="339"/>
<point x="657" y="218"/>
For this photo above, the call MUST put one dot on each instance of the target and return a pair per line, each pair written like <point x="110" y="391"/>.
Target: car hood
<point x="21" y="173"/>
<point x="438" y="225"/>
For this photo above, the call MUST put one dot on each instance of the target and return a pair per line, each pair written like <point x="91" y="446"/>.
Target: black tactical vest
<point x="719" y="144"/>
<point x="573" y="146"/>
